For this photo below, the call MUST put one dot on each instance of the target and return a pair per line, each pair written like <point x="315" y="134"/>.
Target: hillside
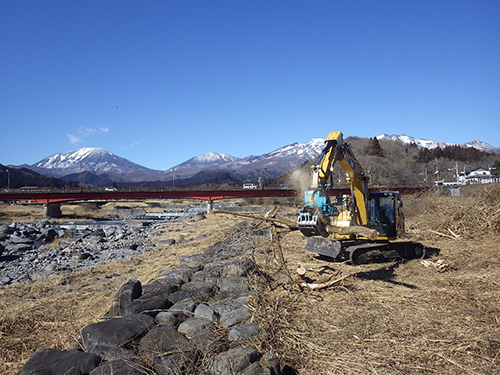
<point x="15" y="178"/>
<point x="393" y="163"/>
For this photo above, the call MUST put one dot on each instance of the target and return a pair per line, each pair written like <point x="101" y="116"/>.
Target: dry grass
<point x="390" y="319"/>
<point x="393" y="318"/>
<point x="21" y="213"/>
<point x="475" y="214"/>
<point x="33" y="212"/>
<point x="398" y="318"/>
<point x="50" y="313"/>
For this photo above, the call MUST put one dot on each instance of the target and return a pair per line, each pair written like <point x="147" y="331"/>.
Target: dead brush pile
<point x="474" y="214"/>
<point x="399" y="317"/>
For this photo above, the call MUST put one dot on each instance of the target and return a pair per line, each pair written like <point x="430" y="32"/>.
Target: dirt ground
<point x="441" y="317"/>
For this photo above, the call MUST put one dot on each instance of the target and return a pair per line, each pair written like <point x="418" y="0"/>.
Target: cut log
<point x="300" y="273"/>
<point x="371" y="234"/>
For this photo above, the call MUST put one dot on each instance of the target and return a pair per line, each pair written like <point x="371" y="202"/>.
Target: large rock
<point x="150" y="303"/>
<point x="234" y="284"/>
<point x="129" y="291"/>
<point x="47" y="235"/>
<point x="175" y="364"/>
<point x="196" y="261"/>
<point x="199" y="290"/>
<point x="234" y="361"/>
<point x="221" y="306"/>
<point x="177" y="313"/>
<point x="208" y="341"/>
<point x="179" y="296"/>
<point x="192" y="325"/>
<point x="164" y="340"/>
<point x="231" y="268"/>
<point x="204" y="311"/>
<point x="222" y="250"/>
<point x="60" y="362"/>
<point x="120" y="367"/>
<point x="243" y="332"/>
<point x="204" y="276"/>
<point x="160" y="286"/>
<point x="177" y="275"/>
<point x="5" y="230"/>
<point x="186" y="307"/>
<point x="232" y="318"/>
<point x="116" y="332"/>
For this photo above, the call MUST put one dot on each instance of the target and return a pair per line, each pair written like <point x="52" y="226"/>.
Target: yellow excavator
<point x="361" y="227"/>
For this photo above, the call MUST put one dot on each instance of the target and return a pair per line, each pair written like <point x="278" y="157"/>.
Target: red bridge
<point x="51" y="196"/>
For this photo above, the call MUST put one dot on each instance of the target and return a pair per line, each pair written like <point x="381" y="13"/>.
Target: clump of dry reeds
<point x="473" y="214"/>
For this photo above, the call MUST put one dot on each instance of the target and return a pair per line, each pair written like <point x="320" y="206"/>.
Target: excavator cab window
<point x="382" y="216"/>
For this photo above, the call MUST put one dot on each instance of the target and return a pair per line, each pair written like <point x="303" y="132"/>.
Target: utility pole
<point x="436" y="172"/>
<point x="456" y="171"/>
<point x="80" y="177"/>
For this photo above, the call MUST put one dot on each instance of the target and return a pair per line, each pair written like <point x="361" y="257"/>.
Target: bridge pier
<point x="52" y="210"/>
<point x="210" y="206"/>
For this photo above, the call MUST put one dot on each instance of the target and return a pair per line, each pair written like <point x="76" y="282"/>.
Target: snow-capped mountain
<point x="209" y="158"/>
<point x="268" y="165"/>
<point x="107" y="167"/>
<point x="482" y="146"/>
<point x="94" y="160"/>
<point x="110" y="167"/>
<point x="424" y="143"/>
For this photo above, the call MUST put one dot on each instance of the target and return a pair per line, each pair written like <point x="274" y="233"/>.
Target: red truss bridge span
<point x="208" y="195"/>
<point x="51" y="196"/>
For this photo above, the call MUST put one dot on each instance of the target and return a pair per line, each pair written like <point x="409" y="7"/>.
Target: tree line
<point x="463" y="154"/>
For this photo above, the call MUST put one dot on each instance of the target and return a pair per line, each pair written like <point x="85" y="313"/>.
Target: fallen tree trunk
<point x="371" y="234"/>
<point x="276" y="220"/>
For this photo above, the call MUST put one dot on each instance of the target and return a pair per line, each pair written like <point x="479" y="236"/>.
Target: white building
<point x="477" y="176"/>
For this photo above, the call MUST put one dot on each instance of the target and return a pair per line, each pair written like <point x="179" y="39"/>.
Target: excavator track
<point x="365" y="252"/>
<point x="384" y="252"/>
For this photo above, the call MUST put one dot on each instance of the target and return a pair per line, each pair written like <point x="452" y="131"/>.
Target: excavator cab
<point x="385" y="214"/>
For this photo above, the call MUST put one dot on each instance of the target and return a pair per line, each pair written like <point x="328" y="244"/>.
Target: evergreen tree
<point x="496" y="168"/>
<point x="374" y="148"/>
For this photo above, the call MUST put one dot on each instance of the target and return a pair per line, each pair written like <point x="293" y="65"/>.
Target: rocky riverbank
<point x="31" y="251"/>
<point x="39" y="250"/>
<point x="195" y="316"/>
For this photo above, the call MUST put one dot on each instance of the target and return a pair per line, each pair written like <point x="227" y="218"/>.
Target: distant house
<point x="477" y="176"/>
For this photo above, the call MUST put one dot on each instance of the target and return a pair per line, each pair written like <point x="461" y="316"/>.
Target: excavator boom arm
<point x="336" y="150"/>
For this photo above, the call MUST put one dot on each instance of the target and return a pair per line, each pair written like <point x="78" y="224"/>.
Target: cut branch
<point x="325" y="284"/>
<point x="276" y="220"/>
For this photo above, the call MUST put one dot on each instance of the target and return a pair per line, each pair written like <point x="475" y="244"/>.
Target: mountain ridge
<point x="110" y="167"/>
<point x="425" y="143"/>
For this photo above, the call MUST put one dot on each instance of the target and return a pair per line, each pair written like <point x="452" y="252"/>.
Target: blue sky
<point x="158" y="82"/>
